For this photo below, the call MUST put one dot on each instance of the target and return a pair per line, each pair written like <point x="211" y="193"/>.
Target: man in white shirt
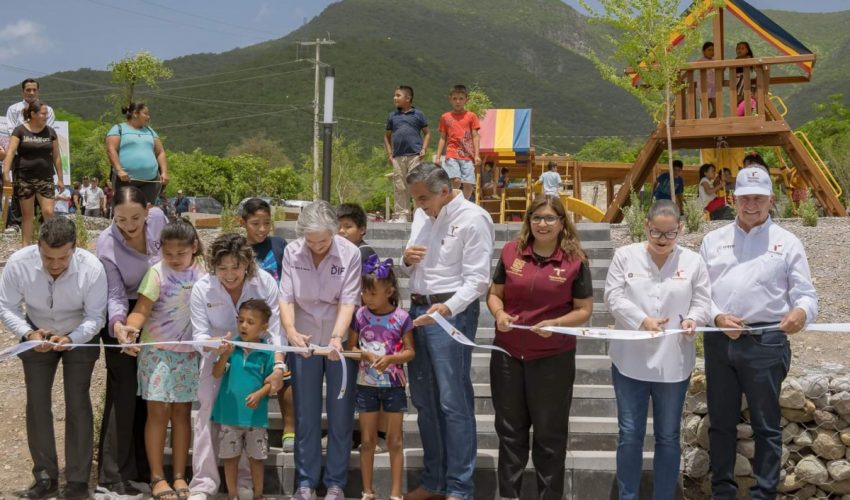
<point x="54" y="291"/>
<point x="62" y="201"/>
<point x="15" y="112"/>
<point x="94" y="199"/>
<point x="759" y="278"/>
<point x="448" y="260"/>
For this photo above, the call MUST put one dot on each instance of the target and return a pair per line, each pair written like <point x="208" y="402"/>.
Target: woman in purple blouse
<point x="127" y="249"/>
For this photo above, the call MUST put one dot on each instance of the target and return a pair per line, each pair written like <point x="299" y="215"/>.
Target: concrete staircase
<point x="591" y="461"/>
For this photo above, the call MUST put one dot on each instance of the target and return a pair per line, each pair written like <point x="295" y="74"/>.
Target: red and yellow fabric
<point x="505" y="133"/>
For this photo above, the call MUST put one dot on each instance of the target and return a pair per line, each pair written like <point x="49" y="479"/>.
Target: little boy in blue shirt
<point x="241" y="407"/>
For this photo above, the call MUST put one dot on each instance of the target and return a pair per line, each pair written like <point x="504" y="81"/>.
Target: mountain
<point x="531" y="54"/>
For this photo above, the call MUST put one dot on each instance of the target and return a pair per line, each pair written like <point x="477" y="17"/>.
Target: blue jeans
<point x="754" y="365"/>
<point x="441" y="390"/>
<point x="633" y="397"/>
<point x="307" y="376"/>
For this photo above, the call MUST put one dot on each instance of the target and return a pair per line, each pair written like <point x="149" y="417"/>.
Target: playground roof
<point x="754" y="19"/>
<point x="505" y="132"/>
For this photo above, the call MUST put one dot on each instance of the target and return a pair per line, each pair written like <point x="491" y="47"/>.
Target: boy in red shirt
<point x="459" y="137"/>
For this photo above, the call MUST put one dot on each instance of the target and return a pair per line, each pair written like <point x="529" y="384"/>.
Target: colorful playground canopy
<point x="505" y="132"/>
<point x="753" y="18"/>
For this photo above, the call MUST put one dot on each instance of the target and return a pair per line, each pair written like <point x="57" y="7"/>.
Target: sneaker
<point x="335" y="493"/>
<point x="245" y="493"/>
<point x="381" y="445"/>
<point x="304" y="493"/>
<point x="288" y="444"/>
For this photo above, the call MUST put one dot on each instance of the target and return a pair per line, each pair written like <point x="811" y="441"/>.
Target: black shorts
<point x="27" y="188"/>
<point x="386" y="399"/>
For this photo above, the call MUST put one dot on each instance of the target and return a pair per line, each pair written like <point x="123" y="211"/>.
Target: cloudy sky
<point x="54" y="35"/>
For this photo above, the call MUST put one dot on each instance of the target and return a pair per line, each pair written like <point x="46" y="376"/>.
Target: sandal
<point x="162" y="495"/>
<point x="184" y="492"/>
<point x="367" y="496"/>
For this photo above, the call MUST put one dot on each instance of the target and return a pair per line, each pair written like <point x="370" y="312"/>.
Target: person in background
<point x="181" y="203"/>
<point x="710" y="191"/>
<point x="744" y="51"/>
<point x="95" y="200"/>
<point x="459" y="138"/>
<point x="729" y="184"/>
<point x="34" y="156"/>
<point x="83" y="188"/>
<point x="268" y="254"/>
<point x="503" y="181"/>
<point x="661" y="186"/>
<point x="30" y="90"/>
<point x="488" y="185"/>
<point x="63" y="289"/>
<point x="405" y="141"/>
<point x="651" y="286"/>
<point x="352" y="226"/>
<point x="108" y="193"/>
<point x="136" y="153"/>
<point x="76" y="200"/>
<point x="760" y="278"/>
<point x="551" y="180"/>
<point x="542" y="279"/>
<point x="707" y="55"/>
<point x="62" y="201"/>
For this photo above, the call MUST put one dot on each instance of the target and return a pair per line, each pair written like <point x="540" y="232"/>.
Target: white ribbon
<point x="455" y="334"/>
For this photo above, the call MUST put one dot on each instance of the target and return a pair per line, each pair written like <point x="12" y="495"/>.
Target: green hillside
<point x="523" y="54"/>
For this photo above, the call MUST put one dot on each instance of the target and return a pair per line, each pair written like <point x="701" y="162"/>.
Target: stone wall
<point x="815" y="437"/>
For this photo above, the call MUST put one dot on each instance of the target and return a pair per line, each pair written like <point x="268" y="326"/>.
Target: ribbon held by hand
<point x="373" y="265"/>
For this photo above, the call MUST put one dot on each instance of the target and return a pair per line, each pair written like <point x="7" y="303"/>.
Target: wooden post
<point x="609" y="192"/>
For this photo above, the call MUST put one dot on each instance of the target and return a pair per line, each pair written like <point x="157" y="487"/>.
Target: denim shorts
<point x="460" y="169"/>
<point x="386" y="399"/>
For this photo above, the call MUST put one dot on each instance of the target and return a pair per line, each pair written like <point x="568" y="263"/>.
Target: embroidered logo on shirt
<point x="516" y="267"/>
<point x="557" y="276"/>
<point x="452" y="230"/>
<point x="679" y="275"/>
<point x="214" y="304"/>
<point x="337" y="270"/>
<point x="776" y="249"/>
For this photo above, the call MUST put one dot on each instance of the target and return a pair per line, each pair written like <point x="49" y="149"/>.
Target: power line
<point x="266" y="75"/>
<point x="239" y="117"/>
<point x="198" y="16"/>
<point x="172" y="21"/>
<point x="42" y="73"/>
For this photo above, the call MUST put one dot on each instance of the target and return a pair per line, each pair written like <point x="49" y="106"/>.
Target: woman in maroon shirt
<point x="542" y="279"/>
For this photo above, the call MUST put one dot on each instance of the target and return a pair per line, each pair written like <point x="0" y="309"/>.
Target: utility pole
<point x="317" y="63"/>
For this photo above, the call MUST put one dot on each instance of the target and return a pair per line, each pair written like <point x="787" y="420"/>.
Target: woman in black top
<point x="34" y="157"/>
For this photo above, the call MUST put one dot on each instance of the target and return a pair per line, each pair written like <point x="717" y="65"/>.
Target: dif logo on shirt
<point x="337" y="270"/>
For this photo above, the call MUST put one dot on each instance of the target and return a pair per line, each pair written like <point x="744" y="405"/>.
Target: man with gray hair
<point x="761" y="288"/>
<point x="56" y="292"/>
<point x="448" y="261"/>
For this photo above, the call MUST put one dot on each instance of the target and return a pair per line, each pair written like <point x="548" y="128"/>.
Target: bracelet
<point x="281" y="366"/>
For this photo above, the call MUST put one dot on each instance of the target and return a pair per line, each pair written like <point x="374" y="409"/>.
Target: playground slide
<point x="583" y="208"/>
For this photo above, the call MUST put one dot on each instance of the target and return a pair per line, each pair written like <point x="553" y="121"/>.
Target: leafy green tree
<point x="88" y="154"/>
<point x="479" y="101"/>
<point x="261" y="146"/>
<point x="643" y="30"/>
<point x="830" y="134"/>
<point x="615" y="149"/>
<point x="129" y="72"/>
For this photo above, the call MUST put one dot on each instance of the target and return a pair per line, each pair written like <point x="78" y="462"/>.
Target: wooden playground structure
<point x="759" y="123"/>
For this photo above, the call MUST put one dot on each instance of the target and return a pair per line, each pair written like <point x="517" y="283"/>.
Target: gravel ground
<point x="812" y="352"/>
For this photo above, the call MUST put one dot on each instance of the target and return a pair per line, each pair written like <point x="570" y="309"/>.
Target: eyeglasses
<point x="670" y="235"/>
<point x="548" y="219"/>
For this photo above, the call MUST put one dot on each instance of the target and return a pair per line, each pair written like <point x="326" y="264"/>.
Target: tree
<point x="88" y="154"/>
<point x="261" y="146"/>
<point x="608" y="149"/>
<point x="479" y="101"/>
<point x="830" y="133"/>
<point x="644" y="29"/>
<point x="131" y="71"/>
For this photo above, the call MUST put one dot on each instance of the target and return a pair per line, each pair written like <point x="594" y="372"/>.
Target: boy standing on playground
<point x="459" y="137"/>
<point x="551" y="180"/>
<point x="406" y="141"/>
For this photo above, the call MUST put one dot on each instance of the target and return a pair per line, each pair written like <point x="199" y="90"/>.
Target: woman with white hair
<point x="320" y="290"/>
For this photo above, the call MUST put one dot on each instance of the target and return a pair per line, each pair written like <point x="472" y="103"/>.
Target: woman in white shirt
<point x="654" y="285"/>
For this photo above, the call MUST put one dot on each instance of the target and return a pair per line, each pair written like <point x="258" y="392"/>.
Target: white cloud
<point x="22" y="37"/>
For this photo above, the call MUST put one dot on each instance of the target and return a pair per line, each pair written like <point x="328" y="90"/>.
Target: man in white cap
<point x="760" y="286"/>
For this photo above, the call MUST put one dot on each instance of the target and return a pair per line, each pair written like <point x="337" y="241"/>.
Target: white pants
<point x="205" y="477"/>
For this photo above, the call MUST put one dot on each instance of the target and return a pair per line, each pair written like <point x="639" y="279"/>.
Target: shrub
<point x="808" y="212"/>
<point x="635" y="216"/>
<point x="693" y="215"/>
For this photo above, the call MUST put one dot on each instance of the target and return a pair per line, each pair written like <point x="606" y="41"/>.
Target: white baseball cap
<point x="754" y="181"/>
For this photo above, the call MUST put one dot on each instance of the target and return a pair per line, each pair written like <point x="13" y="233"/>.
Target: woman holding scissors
<point x="651" y="286"/>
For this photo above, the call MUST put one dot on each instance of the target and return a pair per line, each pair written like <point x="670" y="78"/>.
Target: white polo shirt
<point x="15" y="115"/>
<point x="459" y="246"/>
<point x="636" y="289"/>
<point x="74" y="304"/>
<point x="214" y="313"/>
<point x="758" y="276"/>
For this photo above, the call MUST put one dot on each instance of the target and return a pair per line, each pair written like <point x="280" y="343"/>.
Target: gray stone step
<point x="595" y="249"/>
<point x="588" y="231"/>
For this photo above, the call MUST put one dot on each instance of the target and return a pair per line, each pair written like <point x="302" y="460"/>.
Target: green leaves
<point x="144" y="67"/>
